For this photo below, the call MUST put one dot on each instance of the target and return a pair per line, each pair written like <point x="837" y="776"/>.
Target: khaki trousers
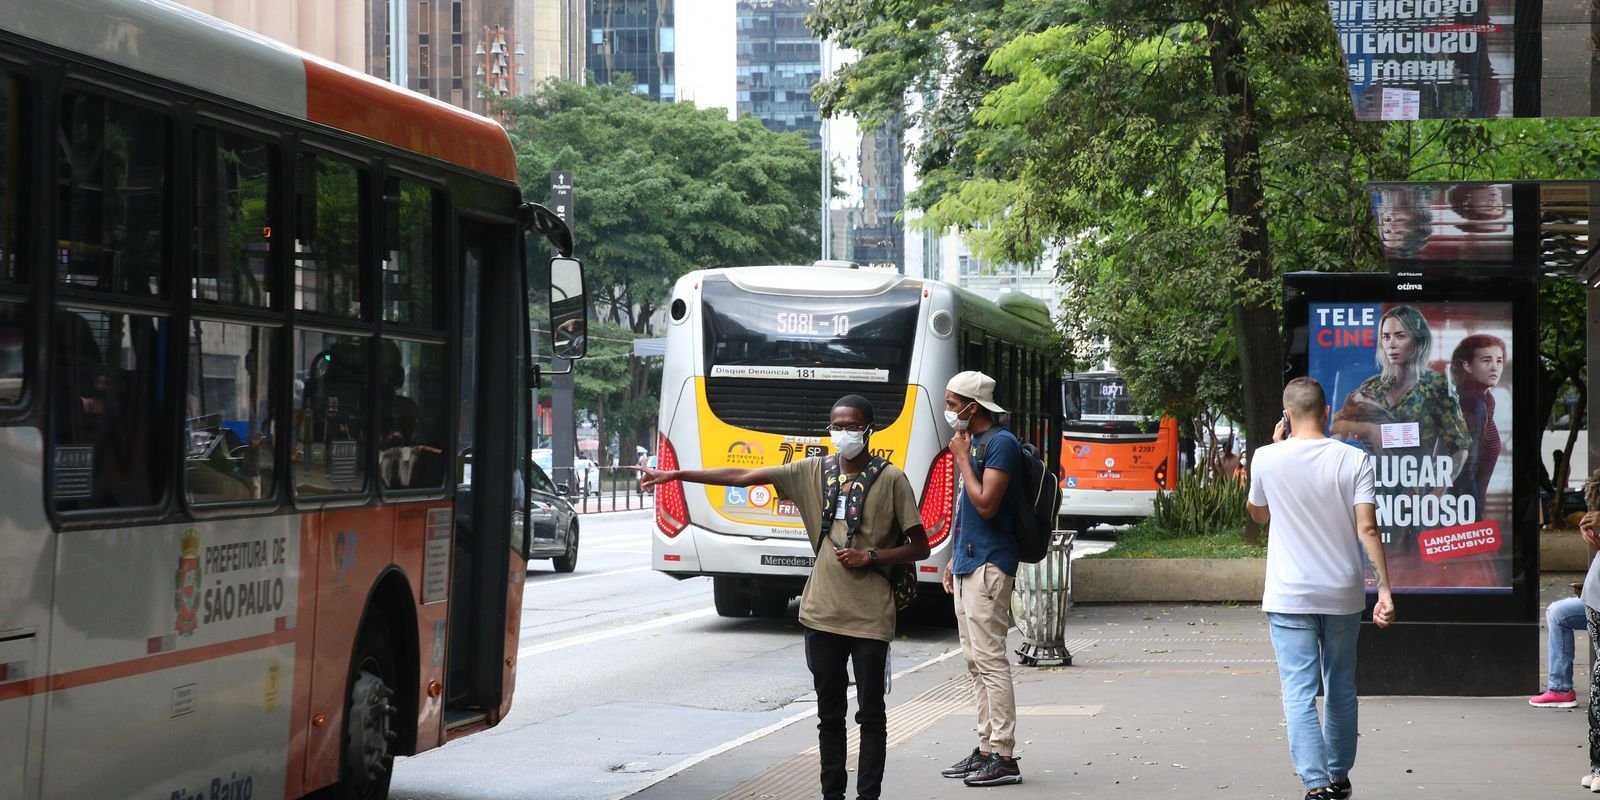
<point x="983" y="615"/>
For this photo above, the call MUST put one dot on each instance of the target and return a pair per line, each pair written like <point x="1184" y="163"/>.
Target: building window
<point x="455" y="17"/>
<point x="424" y="17"/>
<point x="424" y="57"/>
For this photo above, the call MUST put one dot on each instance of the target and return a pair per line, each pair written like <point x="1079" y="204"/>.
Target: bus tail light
<point x="672" y="511"/>
<point x="1161" y="474"/>
<point x="938" y="498"/>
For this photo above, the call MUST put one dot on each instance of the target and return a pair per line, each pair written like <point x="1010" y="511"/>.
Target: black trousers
<point x="826" y="657"/>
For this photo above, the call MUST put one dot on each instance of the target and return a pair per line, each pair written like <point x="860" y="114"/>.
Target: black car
<point x="553" y="532"/>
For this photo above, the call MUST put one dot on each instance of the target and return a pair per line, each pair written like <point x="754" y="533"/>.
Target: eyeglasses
<point x="850" y="428"/>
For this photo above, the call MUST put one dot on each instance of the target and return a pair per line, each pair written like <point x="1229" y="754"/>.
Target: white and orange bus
<point x="261" y="437"/>
<point x="756" y="357"/>
<point x="1113" y="459"/>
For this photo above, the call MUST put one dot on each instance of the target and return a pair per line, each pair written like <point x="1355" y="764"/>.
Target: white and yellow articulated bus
<point x="756" y="358"/>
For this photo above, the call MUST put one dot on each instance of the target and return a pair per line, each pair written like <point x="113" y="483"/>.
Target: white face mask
<point x="955" y="420"/>
<point x="849" y="444"/>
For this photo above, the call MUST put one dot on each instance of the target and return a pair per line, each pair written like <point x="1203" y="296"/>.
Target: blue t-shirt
<point x="980" y="541"/>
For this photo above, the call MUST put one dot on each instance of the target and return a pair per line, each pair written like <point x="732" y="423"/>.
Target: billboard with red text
<point x="1424" y="388"/>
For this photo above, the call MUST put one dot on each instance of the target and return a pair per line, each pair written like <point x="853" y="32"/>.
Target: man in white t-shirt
<point x="1317" y="492"/>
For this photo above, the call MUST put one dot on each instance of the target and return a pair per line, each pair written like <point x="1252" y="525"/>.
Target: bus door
<point x="491" y="283"/>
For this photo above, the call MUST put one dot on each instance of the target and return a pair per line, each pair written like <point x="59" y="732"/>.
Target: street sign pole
<point x="563" y="394"/>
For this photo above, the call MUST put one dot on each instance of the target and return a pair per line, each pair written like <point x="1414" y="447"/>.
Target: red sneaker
<point x="1555" y="699"/>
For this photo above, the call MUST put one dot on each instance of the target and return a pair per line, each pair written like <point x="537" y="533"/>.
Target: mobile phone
<point x="1286" y="423"/>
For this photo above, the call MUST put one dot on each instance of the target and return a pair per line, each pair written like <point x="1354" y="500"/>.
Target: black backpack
<point x="1036" y="503"/>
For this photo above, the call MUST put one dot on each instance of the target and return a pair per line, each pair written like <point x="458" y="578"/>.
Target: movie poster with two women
<point x="1424" y="388"/>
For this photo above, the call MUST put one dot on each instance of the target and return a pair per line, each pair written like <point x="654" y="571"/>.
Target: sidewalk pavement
<point x="1173" y="701"/>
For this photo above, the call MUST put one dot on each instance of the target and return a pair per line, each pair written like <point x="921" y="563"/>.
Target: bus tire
<point x="367" y="748"/>
<point x="730" y="602"/>
<point x="568" y="561"/>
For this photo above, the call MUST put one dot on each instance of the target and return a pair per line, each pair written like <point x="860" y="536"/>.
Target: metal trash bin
<point x="1040" y="603"/>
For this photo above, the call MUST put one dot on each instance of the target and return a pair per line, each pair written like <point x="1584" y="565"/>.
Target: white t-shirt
<point x="1312" y="488"/>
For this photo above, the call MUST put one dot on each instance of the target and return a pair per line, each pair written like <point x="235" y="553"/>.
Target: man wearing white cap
<point x="982" y="567"/>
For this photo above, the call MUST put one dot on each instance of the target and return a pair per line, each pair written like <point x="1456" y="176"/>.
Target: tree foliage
<point x="1180" y="155"/>
<point x="659" y="189"/>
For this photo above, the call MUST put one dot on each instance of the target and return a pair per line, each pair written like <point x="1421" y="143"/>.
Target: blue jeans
<point x="1318" y="650"/>
<point x="1562" y="618"/>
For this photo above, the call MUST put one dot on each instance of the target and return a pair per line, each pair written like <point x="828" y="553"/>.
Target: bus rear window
<point x="799" y="337"/>
<point x="1101" y="400"/>
<point x="809" y="350"/>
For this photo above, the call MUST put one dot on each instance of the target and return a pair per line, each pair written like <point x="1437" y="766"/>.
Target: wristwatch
<point x="872" y="555"/>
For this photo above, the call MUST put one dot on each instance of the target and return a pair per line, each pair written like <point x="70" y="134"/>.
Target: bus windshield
<point x="779" y="337"/>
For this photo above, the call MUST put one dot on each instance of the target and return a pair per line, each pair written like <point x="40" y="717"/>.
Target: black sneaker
<point x="1319" y="793"/>
<point x="966" y="766"/>
<point x="998" y="771"/>
<point x="1341" y="790"/>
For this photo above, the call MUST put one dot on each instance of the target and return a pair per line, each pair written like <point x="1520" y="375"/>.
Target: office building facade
<point x="634" y="38"/>
<point x="779" y="63"/>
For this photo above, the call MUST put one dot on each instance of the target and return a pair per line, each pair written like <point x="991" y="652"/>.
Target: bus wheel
<point x="367" y="760"/>
<point x="568" y="561"/>
<point x="770" y="603"/>
<point x="729" y="600"/>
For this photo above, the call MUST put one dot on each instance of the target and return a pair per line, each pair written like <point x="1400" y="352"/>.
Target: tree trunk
<point x="1255" y="316"/>
<point x="1575" y="425"/>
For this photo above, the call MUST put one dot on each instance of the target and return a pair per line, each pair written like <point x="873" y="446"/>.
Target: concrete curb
<point x="1168" y="580"/>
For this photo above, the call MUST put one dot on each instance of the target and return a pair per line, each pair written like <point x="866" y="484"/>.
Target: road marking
<point x="600" y="636"/>
<point x="811" y="711"/>
<point x="552" y="582"/>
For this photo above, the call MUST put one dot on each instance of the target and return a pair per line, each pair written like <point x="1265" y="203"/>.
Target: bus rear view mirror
<point x="569" y="309"/>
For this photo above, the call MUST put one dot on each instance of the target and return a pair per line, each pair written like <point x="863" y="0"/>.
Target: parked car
<point x="586" y="474"/>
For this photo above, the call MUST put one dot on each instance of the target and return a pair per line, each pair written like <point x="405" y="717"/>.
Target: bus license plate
<point x="787" y="561"/>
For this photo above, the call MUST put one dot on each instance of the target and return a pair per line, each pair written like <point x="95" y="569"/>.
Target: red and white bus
<point x="262" y="438"/>
<point x="1113" y="461"/>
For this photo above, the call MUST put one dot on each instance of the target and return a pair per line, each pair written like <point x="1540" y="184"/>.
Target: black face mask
<point x="94" y="393"/>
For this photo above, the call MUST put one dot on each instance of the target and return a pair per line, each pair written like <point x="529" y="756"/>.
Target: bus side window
<point x="972" y="358"/>
<point x="13" y="353"/>
<point x="107" y="427"/>
<point x="411" y="451"/>
<point x="230" y="436"/>
<point x="329" y="453"/>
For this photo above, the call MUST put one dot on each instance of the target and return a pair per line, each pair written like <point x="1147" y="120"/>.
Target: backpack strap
<point x="855" y="501"/>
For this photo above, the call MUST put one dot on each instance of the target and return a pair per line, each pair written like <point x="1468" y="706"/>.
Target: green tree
<point x="1174" y="150"/>
<point x="661" y="189"/>
<point x="1182" y="155"/>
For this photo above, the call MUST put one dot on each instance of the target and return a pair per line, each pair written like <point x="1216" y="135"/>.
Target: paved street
<point x="625" y="673"/>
